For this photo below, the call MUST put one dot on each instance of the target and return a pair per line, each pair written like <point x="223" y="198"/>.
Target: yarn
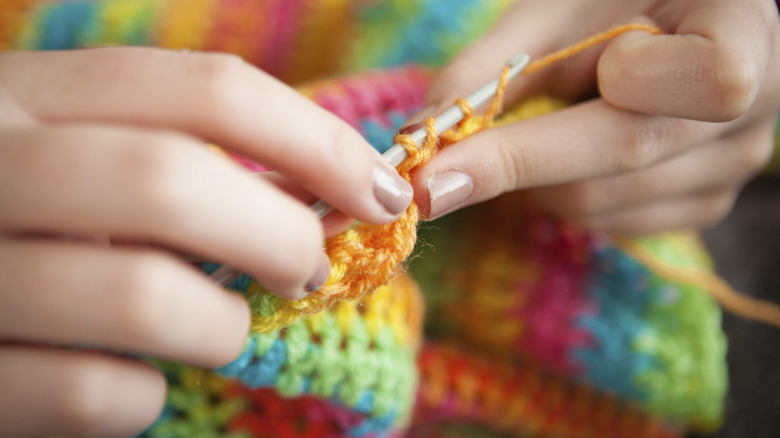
<point x="367" y="256"/>
<point x="523" y="401"/>
<point x="294" y="40"/>
<point x="520" y="288"/>
<point x="354" y="363"/>
<point x="569" y="338"/>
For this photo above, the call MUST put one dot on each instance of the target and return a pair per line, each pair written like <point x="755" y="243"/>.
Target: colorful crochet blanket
<point x="533" y="327"/>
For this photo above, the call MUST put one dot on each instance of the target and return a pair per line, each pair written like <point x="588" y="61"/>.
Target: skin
<point x="107" y="178"/>
<point x="103" y="187"/>
<point x="669" y="127"/>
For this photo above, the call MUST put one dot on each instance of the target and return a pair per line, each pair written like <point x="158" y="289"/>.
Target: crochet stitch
<point x="539" y="327"/>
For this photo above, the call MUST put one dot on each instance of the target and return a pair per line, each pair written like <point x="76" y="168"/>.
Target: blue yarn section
<point x="240" y="284"/>
<point x="263" y="370"/>
<point x="621" y="288"/>
<point x="381" y="136"/>
<point x="431" y="32"/>
<point x="63" y="27"/>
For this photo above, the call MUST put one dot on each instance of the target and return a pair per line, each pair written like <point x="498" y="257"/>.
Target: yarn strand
<point x="731" y="300"/>
<point x="368" y="256"/>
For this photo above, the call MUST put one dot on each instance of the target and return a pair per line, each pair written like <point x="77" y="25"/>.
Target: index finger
<point x="220" y="99"/>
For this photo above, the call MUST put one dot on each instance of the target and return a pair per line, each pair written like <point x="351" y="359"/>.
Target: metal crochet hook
<point x="225" y="275"/>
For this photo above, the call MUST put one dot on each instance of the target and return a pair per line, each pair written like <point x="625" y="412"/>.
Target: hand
<point x="681" y="123"/>
<point x="106" y="174"/>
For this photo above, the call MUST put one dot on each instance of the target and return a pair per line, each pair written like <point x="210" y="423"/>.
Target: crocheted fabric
<point x="534" y="328"/>
<point x="295" y="40"/>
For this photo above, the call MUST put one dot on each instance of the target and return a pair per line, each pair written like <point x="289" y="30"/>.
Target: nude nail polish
<point x="448" y="191"/>
<point x="390" y="190"/>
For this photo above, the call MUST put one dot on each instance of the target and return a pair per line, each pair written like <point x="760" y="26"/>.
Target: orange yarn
<point x="729" y="299"/>
<point x="368" y="256"/>
<point x="373" y="253"/>
<point x="587" y="43"/>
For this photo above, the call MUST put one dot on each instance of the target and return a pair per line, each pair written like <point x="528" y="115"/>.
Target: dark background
<point x="746" y="250"/>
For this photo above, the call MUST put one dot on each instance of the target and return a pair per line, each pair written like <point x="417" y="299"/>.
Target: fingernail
<point x="448" y="191"/>
<point x="392" y="191"/>
<point x="320" y="277"/>
<point x="418" y="120"/>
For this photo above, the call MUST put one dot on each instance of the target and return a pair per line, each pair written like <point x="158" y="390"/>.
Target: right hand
<point x="106" y="175"/>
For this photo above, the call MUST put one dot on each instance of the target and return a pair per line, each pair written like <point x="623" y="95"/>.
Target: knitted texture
<point x="549" y="330"/>
<point x="519" y="287"/>
<point x="294" y="40"/>
<point x="349" y="370"/>
<point x="524" y="303"/>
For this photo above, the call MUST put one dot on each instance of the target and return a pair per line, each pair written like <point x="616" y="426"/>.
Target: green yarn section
<point x="90" y="24"/>
<point x="344" y="365"/>
<point x="429" y="32"/>
<point x="263" y="304"/>
<point x="192" y="408"/>
<point x="436" y="251"/>
<point x="685" y="338"/>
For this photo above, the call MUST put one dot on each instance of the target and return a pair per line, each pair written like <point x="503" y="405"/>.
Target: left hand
<point x="680" y="123"/>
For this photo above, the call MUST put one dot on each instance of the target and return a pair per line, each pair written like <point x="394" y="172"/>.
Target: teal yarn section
<point x="621" y="288"/>
<point x="370" y="376"/>
<point x="75" y="24"/>
<point x="380" y="135"/>
<point x="62" y="26"/>
<point x="428" y="32"/>
<point x="656" y="342"/>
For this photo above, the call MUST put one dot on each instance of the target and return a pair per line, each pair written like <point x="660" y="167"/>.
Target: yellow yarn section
<point x="188" y="27"/>
<point x="118" y="19"/>
<point x="324" y="36"/>
<point x="397" y="304"/>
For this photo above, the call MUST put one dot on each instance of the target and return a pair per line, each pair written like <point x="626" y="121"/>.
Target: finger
<point x="532" y="27"/>
<point x="218" y="98"/>
<point x="50" y="392"/>
<point x="710" y="69"/>
<point x="541" y="151"/>
<point x="159" y="187"/>
<point x="698" y="211"/>
<point x="333" y="223"/>
<point x="727" y="162"/>
<point x="139" y="301"/>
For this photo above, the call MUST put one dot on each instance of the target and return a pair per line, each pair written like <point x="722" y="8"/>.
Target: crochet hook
<point x="225" y="275"/>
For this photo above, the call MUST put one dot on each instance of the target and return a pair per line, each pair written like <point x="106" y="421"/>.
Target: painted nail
<point x="448" y="191"/>
<point x="392" y="191"/>
<point x="320" y="277"/>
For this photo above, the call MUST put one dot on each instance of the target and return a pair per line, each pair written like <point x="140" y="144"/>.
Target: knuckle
<point x="144" y="297"/>
<point x="218" y="76"/>
<point x="734" y="82"/>
<point x="338" y="142"/>
<point x="518" y="167"/>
